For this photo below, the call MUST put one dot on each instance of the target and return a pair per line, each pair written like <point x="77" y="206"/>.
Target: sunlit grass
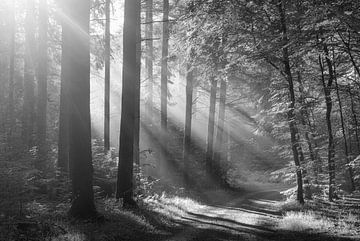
<point x="70" y="237"/>
<point x="305" y="221"/>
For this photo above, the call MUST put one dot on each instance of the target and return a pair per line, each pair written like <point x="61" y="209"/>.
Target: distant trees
<point x="42" y="78"/>
<point x="28" y="118"/>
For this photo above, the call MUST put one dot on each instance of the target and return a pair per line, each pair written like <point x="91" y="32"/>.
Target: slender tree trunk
<point x="303" y="116"/>
<point x="328" y="100"/>
<point x="164" y="72"/>
<point x="124" y="187"/>
<point x="63" y="142"/>
<point x="29" y="73"/>
<point x="42" y="80"/>
<point x="11" y="93"/>
<point x="218" y="150"/>
<point x="355" y="120"/>
<point x="346" y="149"/>
<point x="211" y="123"/>
<point x="76" y="68"/>
<point x="107" y="79"/>
<point x="149" y="57"/>
<point x="188" y="120"/>
<point x="294" y="133"/>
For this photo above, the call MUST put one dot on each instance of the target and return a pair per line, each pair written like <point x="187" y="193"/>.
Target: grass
<point x="305" y="221"/>
<point x="319" y="217"/>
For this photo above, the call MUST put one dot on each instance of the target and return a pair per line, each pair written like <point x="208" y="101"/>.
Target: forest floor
<point x="228" y="216"/>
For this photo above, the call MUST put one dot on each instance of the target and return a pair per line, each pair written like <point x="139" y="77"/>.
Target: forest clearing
<point x="179" y="120"/>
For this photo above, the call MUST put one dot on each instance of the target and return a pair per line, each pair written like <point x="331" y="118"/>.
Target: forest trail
<point x="230" y="216"/>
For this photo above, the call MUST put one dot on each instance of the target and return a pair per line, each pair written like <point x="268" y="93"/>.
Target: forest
<point x="179" y="120"/>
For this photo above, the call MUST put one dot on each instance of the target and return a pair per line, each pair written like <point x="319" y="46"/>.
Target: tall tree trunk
<point x="188" y="120"/>
<point x="42" y="80"/>
<point x="76" y="63"/>
<point x="164" y="72"/>
<point x="331" y="146"/>
<point x="63" y="141"/>
<point x="107" y="79"/>
<point x="303" y="116"/>
<point x="137" y="119"/>
<point x="218" y="150"/>
<point x="149" y="57"/>
<point x="124" y="187"/>
<point x="11" y="93"/>
<point x="29" y="73"/>
<point x="294" y="133"/>
<point x="211" y="124"/>
<point x="346" y="148"/>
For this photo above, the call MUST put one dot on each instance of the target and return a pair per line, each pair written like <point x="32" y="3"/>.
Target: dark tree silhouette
<point x="124" y="187"/>
<point x="76" y="44"/>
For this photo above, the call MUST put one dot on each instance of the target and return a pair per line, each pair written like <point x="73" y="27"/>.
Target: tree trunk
<point x="29" y="73"/>
<point x="188" y="119"/>
<point x="137" y="119"/>
<point x="124" y="187"/>
<point x="76" y="63"/>
<point x="303" y="116"/>
<point x="164" y="72"/>
<point x="331" y="147"/>
<point x="107" y="79"/>
<point x="42" y="80"/>
<point x="11" y="93"/>
<point x="149" y="58"/>
<point x="346" y="148"/>
<point x="218" y="150"/>
<point x="211" y="124"/>
<point x="294" y="133"/>
<point x="63" y="142"/>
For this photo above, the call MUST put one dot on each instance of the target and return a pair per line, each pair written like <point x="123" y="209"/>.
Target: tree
<point x="42" y="79"/>
<point x="107" y="78"/>
<point x="164" y="70"/>
<point x="188" y="119"/>
<point x="29" y="77"/>
<point x="296" y="148"/>
<point x="124" y="187"/>
<point x="76" y="69"/>
<point x="211" y="122"/>
<point x="11" y="87"/>
<point x="149" y="56"/>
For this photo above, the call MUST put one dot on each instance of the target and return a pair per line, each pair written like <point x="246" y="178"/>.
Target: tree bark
<point x="294" y="133"/>
<point x="149" y="58"/>
<point x="211" y="123"/>
<point x="124" y="187"/>
<point x="164" y="72"/>
<point x="188" y="120"/>
<point x="76" y="63"/>
<point x="137" y="119"/>
<point x="107" y="79"/>
<point x="29" y="79"/>
<point x="331" y="147"/>
<point x="42" y="80"/>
